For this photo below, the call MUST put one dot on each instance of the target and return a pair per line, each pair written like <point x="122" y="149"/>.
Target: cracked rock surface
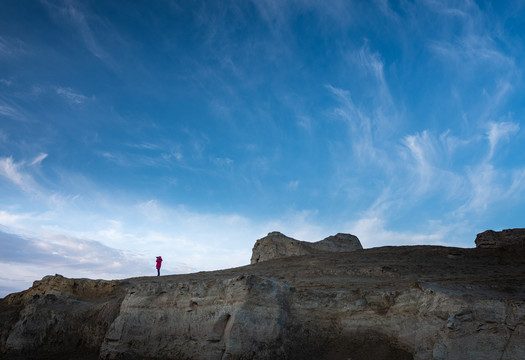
<point x="416" y="302"/>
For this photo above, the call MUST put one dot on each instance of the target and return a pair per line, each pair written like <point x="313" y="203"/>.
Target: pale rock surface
<point x="501" y="239"/>
<point x="276" y="246"/>
<point x="417" y="302"/>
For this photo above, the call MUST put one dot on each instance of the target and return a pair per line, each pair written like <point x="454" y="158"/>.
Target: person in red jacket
<point x="159" y="263"/>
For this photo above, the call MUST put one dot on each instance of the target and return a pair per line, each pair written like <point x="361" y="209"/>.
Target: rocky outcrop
<point x="276" y="245"/>
<point x="419" y="302"/>
<point x="501" y="239"/>
<point x="59" y="318"/>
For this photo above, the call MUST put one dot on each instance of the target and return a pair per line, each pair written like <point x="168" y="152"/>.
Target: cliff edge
<point x="405" y="302"/>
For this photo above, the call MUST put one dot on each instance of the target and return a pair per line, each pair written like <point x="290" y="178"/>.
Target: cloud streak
<point x="71" y="12"/>
<point x="498" y="132"/>
<point x="11" y="112"/>
<point x="18" y="173"/>
<point x="73" y="97"/>
<point x="11" y="48"/>
<point x="12" y="171"/>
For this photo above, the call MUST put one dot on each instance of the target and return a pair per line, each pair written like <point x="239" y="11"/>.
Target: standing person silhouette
<point x="159" y="263"/>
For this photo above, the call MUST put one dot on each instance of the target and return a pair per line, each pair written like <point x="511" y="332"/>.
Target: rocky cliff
<point x="418" y="302"/>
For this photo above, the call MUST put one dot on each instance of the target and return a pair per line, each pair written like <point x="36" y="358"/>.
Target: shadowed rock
<point x="501" y="239"/>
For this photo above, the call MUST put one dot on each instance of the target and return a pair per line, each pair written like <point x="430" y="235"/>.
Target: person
<point x="159" y="262"/>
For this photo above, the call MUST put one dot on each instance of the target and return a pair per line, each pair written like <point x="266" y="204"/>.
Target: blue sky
<point x="189" y="129"/>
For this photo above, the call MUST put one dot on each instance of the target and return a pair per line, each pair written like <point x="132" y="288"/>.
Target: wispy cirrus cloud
<point x="11" y="112"/>
<point x="72" y="13"/>
<point x="462" y="9"/>
<point x="372" y="64"/>
<point x="373" y="232"/>
<point x="19" y="174"/>
<point x="72" y="96"/>
<point x="477" y="43"/>
<point x="498" y="132"/>
<point x="11" y="48"/>
<point x="13" y="172"/>
<point x="429" y="165"/>
<point x="38" y="159"/>
<point x="474" y="49"/>
<point x="423" y="155"/>
<point x="368" y="126"/>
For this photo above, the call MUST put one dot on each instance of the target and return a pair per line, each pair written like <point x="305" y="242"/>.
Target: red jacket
<point x="159" y="261"/>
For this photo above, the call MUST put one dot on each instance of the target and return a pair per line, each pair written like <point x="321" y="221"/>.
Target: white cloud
<point x="10" y="48"/>
<point x="488" y="185"/>
<point x="477" y="42"/>
<point x="494" y="101"/>
<point x="305" y="123"/>
<point x="484" y="189"/>
<point x="13" y="172"/>
<point x="455" y="9"/>
<point x="77" y="16"/>
<point x="517" y="186"/>
<point x="10" y="219"/>
<point x="223" y="162"/>
<point x="360" y="127"/>
<point x="373" y="64"/>
<point x="386" y="10"/>
<point x="372" y="232"/>
<point x="10" y="112"/>
<point x="19" y="174"/>
<point x="300" y="225"/>
<point x="498" y="132"/>
<point x="73" y="97"/>
<point x="73" y="14"/>
<point x="25" y="259"/>
<point x="293" y="185"/>
<point x="423" y="153"/>
<point x="38" y="159"/>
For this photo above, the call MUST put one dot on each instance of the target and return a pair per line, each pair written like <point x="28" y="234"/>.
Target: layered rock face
<point x="418" y="302"/>
<point x="501" y="239"/>
<point x="277" y="246"/>
<point x="59" y="318"/>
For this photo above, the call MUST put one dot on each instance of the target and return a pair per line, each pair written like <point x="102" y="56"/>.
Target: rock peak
<point x="277" y="245"/>
<point x="491" y="239"/>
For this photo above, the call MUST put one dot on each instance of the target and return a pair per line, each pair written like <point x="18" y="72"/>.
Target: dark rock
<point x="501" y="239"/>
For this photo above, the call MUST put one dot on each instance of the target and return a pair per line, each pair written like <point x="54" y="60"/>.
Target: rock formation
<point x="277" y="245"/>
<point x="407" y="302"/>
<point x="501" y="239"/>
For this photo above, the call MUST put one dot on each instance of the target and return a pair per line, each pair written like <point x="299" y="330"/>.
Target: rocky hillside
<point x="417" y="302"/>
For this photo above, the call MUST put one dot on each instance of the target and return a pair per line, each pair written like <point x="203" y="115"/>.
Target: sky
<point x="190" y="129"/>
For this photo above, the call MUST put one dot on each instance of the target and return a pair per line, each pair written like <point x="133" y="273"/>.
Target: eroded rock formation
<point x="418" y="302"/>
<point x="276" y="246"/>
<point x="508" y="238"/>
